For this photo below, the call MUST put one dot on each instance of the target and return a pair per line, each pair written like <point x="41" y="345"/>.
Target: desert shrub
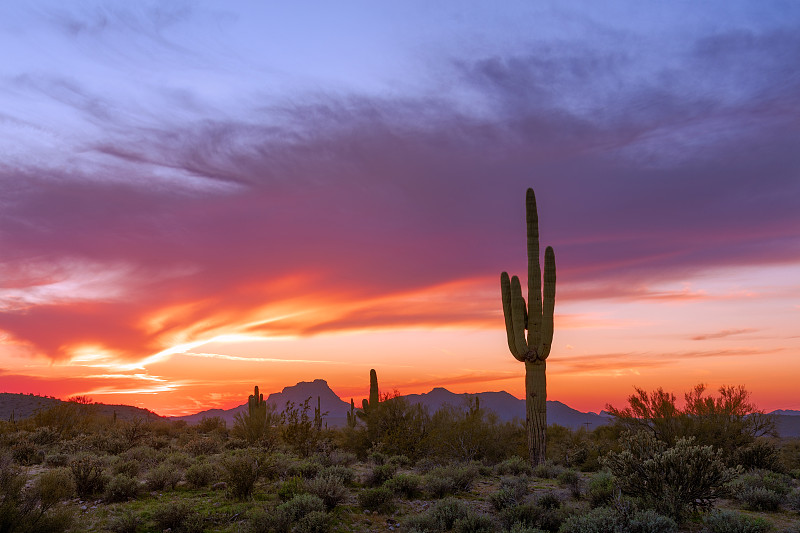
<point x="241" y="471"/>
<point x="448" y="511"/>
<point x="669" y="479"/>
<point x="43" y="436"/>
<point x="789" y="454"/>
<point x="144" y="455"/>
<point x="307" y="469"/>
<point x="297" y="428"/>
<point x="571" y="480"/>
<point x="760" y="499"/>
<point x="162" y="477"/>
<point x="121" y="488"/>
<point x="379" y="474"/>
<point x="290" y="488"/>
<point x="547" y="470"/>
<point x="347" y="475"/>
<point x="313" y="522"/>
<point x="329" y="489"/>
<point x="56" y="459"/>
<point x="793" y="500"/>
<point x="34" y="509"/>
<point x="731" y="522"/>
<point x="267" y="521"/>
<point x="601" y="488"/>
<point x="87" y="471"/>
<point x="54" y="486"/>
<point x="202" y="445"/>
<point x="519" y="527"/>
<point x="761" y="454"/>
<point x="26" y="453"/>
<point x="599" y="520"/>
<point x="376" y="499"/>
<point x="178" y="517"/>
<point x="531" y="515"/>
<point x="407" y="485"/>
<point x="649" y="521"/>
<point x="450" y="479"/>
<point x="129" y="467"/>
<point x="548" y="500"/>
<point x="513" y="466"/>
<point x="475" y="523"/>
<point x="511" y="492"/>
<point x="202" y="474"/>
<point x="178" y="460"/>
<point x="213" y="424"/>
<point x="300" y="506"/>
<point x="342" y="458"/>
<point x="399" y="461"/>
<point x="125" y="522"/>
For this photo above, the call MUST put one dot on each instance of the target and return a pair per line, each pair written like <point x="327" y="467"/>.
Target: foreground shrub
<point x="450" y="479"/>
<point x="407" y="485"/>
<point x="126" y="522"/>
<point x="34" y="509"/>
<point x="376" y="499"/>
<point x="621" y="520"/>
<point x="87" y="472"/>
<point x="178" y="517"/>
<point x="240" y="471"/>
<point x="512" y="492"/>
<point x="669" y="479"/>
<point x="441" y="517"/>
<point x="347" y="475"/>
<point x="601" y="489"/>
<point x="475" y="523"/>
<point x="121" y="488"/>
<point x="162" y="477"/>
<point x="571" y="480"/>
<point x="300" y="506"/>
<point x="329" y="489"/>
<point x="202" y="474"/>
<point x="531" y="515"/>
<point x="547" y="470"/>
<point x="513" y="466"/>
<point x="379" y="474"/>
<point x="730" y="522"/>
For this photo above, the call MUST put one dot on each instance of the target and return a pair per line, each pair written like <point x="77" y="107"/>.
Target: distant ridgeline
<point x="19" y="406"/>
<point x="503" y="404"/>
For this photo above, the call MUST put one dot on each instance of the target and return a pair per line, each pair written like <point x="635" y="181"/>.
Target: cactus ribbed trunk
<point x="537" y="318"/>
<point x="536" y="409"/>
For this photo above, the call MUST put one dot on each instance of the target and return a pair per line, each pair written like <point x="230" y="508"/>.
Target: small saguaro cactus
<point x="256" y="406"/>
<point x="351" y="414"/>
<point x="374" y="397"/>
<point x="537" y="318"/>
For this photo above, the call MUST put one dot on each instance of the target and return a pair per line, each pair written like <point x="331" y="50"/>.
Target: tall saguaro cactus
<point x="256" y="406"/>
<point x="537" y="318"/>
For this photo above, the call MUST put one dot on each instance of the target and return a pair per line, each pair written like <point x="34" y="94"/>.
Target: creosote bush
<point x="376" y="499"/>
<point x="731" y="522"/>
<point x="241" y="471"/>
<point x="670" y="480"/>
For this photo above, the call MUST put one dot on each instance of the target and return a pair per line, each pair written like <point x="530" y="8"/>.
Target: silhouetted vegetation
<point x="659" y="468"/>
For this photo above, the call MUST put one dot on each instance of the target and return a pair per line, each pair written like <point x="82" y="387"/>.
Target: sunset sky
<point x="198" y="197"/>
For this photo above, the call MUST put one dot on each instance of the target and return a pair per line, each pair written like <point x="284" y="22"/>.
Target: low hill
<point x="24" y="405"/>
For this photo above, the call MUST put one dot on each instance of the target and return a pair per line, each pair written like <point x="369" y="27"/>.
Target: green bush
<point x="599" y="520"/>
<point x="670" y="480"/>
<point x="129" y="467"/>
<point x="531" y="515"/>
<point x="760" y="499"/>
<point x="793" y="500"/>
<point x="407" y="485"/>
<point x="178" y="517"/>
<point x="125" y="522"/>
<point x="202" y="474"/>
<point x="27" y="453"/>
<point x="547" y="470"/>
<point x="162" y="477"/>
<point x="87" y="472"/>
<point x="300" y="506"/>
<point x="601" y="488"/>
<point x="379" y="474"/>
<point x="649" y="521"/>
<point x="513" y="466"/>
<point x="619" y="520"/>
<point x="347" y="475"/>
<point x="475" y="523"/>
<point x="290" y="488"/>
<point x="511" y="492"/>
<point x="121" y="488"/>
<point x="730" y="522"/>
<point x="34" y="509"/>
<point x="53" y="486"/>
<point x="450" y="479"/>
<point x="329" y="489"/>
<point x="548" y="500"/>
<point x="241" y="471"/>
<point x="313" y="522"/>
<point x="376" y="499"/>
<point x="571" y="480"/>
